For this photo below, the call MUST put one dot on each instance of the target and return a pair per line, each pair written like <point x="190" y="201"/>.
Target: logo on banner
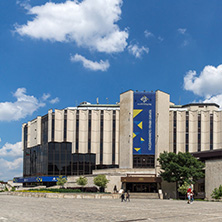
<point x="144" y="99"/>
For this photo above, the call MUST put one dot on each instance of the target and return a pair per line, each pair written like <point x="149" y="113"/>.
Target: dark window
<point x="53" y="126"/>
<point x="143" y="161"/>
<point x="211" y="131"/>
<point x="187" y="132"/>
<point x="89" y="131"/>
<point x="199" y="133"/>
<point x="114" y="137"/>
<point x="174" y="132"/>
<point x="65" y="125"/>
<point x="101" y="137"/>
<point x="77" y="131"/>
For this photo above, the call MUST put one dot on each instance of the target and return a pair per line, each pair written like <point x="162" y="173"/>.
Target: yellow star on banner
<point x="140" y="125"/>
<point x="137" y="149"/>
<point x="136" y="112"/>
<point x="142" y="139"/>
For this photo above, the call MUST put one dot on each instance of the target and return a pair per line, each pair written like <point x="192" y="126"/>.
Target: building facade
<point x="123" y="140"/>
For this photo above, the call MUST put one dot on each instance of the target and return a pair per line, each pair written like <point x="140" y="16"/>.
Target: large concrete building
<point x="123" y="141"/>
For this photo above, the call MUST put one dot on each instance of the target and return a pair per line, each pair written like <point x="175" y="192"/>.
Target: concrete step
<point x="144" y="195"/>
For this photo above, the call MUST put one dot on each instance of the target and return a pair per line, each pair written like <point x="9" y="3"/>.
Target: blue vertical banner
<point x="144" y="123"/>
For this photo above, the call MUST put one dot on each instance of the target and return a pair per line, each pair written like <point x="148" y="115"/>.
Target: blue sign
<point x="144" y="123"/>
<point x="36" y="179"/>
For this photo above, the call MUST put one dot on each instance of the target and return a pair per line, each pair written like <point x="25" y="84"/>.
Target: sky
<point x="57" y="54"/>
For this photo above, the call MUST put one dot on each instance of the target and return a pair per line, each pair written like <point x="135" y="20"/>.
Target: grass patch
<point x="50" y="191"/>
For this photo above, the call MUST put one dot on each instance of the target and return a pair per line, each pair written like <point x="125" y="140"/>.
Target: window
<point x="114" y="137"/>
<point x="143" y="161"/>
<point x="174" y="132"/>
<point x="101" y="137"/>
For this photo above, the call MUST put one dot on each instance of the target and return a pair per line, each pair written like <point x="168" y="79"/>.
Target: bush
<point x="82" y="181"/>
<point x="61" y="181"/>
<point x="101" y="182"/>
<point x="52" y="190"/>
<point x="13" y="189"/>
<point x="85" y="189"/>
<point x="217" y="193"/>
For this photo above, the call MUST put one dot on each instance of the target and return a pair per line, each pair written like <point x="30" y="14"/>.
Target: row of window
<point x="89" y="132"/>
<point x="58" y="159"/>
<point x="187" y="132"/>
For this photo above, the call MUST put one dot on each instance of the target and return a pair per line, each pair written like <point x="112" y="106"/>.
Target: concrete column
<point x="83" y="131"/>
<point x="181" y="131"/>
<point x="162" y="125"/>
<point x="205" y="130"/>
<point x="217" y="133"/>
<point x="23" y="134"/>
<point x="71" y="128"/>
<point x="193" y="124"/>
<point x="95" y="134"/>
<point x="39" y="130"/>
<point x="107" y="138"/>
<point x="59" y="126"/>
<point x="50" y="125"/>
<point x="117" y="142"/>
<point x="171" y="131"/>
<point x="126" y="130"/>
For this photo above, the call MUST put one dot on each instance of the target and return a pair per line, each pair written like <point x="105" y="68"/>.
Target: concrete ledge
<point x="66" y="195"/>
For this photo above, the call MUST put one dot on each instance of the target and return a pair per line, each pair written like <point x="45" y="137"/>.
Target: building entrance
<point x="142" y="187"/>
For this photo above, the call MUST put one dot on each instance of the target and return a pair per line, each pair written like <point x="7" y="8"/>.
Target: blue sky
<point x="56" y="54"/>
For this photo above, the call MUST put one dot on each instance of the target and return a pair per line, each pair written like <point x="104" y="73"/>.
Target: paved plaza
<point x="19" y="209"/>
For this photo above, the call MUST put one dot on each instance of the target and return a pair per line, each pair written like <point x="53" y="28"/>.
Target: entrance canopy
<point x="141" y="179"/>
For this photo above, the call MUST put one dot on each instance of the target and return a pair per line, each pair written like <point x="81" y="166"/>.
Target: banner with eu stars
<point x="144" y="123"/>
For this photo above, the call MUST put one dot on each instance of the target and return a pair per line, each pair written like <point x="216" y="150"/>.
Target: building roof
<point x="201" y="104"/>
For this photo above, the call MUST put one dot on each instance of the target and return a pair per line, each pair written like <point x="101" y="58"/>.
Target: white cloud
<point x="182" y="31"/>
<point x="10" y="169"/>
<point x="137" y="51"/>
<point x="148" y="34"/>
<point x="24" y="3"/>
<point x="45" y="96"/>
<point x="90" y="24"/>
<point x="24" y="106"/>
<point x="207" y="84"/>
<point x="214" y="99"/>
<point x="160" y="38"/>
<point x="11" y="150"/>
<point x="95" y="66"/>
<point x="11" y="161"/>
<point x="53" y="101"/>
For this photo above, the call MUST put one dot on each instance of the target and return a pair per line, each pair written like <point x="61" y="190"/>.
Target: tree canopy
<point x="61" y="181"/>
<point x="101" y="181"/>
<point x="82" y="181"/>
<point x="180" y="167"/>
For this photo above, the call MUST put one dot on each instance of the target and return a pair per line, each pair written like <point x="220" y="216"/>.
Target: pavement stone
<point x="25" y="209"/>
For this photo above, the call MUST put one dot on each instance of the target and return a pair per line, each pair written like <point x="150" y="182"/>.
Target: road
<point x="19" y="209"/>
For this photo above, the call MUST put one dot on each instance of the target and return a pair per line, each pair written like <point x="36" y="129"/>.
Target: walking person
<point x="191" y="197"/>
<point x="128" y="196"/>
<point x="188" y="195"/>
<point x="115" y="189"/>
<point x="122" y="196"/>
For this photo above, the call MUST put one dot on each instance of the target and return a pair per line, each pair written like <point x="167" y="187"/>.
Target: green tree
<point x="61" y="181"/>
<point x="217" y="193"/>
<point x="183" y="188"/>
<point x="180" y="167"/>
<point x="101" y="182"/>
<point x="82" y="181"/>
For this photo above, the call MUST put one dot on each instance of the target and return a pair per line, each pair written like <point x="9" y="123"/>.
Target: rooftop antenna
<point x="97" y="100"/>
<point x="107" y="100"/>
